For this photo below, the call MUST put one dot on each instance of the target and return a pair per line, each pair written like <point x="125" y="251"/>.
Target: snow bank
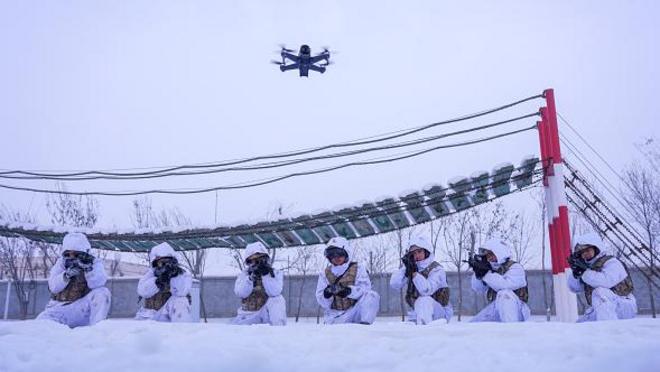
<point x="125" y="345"/>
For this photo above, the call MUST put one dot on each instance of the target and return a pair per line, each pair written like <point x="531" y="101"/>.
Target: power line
<point x="273" y="180"/>
<point x="281" y="155"/>
<point x="282" y="163"/>
<point x="590" y="147"/>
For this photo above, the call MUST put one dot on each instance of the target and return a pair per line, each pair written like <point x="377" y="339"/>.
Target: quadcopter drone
<point x="304" y="61"/>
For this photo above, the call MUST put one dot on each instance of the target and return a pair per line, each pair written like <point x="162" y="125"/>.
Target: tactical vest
<point x="441" y="295"/>
<point x="257" y="299"/>
<point x="157" y="301"/>
<point x="76" y="289"/>
<point x="522" y="292"/>
<point x="347" y="279"/>
<point x="623" y="288"/>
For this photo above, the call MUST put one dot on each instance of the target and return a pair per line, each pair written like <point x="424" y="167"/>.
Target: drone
<point x="304" y="61"/>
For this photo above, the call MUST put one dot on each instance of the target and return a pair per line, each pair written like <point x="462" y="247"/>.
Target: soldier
<point x="427" y="292"/>
<point x="165" y="288"/>
<point x="503" y="280"/>
<point x="344" y="290"/>
<point x="260" y="288"/>
<point x="604" y="279"/>
<point x="77" y="285"/>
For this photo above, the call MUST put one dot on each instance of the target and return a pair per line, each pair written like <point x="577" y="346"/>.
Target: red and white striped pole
<point x="557" y="209"/>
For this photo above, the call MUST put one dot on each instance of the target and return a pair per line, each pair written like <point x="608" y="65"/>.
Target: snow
<point x="123" y="345"/>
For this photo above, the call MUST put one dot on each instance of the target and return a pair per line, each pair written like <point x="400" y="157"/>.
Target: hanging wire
<point x="279" y="155"/>
<point x="280" y="163"/>
<point x="272" y="180"/>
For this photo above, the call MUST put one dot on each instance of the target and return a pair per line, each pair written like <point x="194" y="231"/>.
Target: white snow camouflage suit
<point x="425" y="308"/>
<point x="368" y="301"/>
<point x="92" y="307"/>
<point x="177" y="308"/>
<point x="273" y="311"/>
<point x="507" y="306"/>
<point x="605" y="304"/>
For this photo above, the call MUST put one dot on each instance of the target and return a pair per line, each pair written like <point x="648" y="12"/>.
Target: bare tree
<point x="458" y="237"/>
<point x="304" y="262"/>
<point x="18" y="261"/>
<point x="71" y="211"/>
<point x="521" y="233"/>
<point x="642" y="193"/>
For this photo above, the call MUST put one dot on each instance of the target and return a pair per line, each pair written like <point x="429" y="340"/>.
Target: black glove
<point x="72" y="272"/>
<point x="263" y="268"/>
<point x="330" y="290"/>
<point x="479" y="265"/>
<point x="410" y="265"/>
<point x="162" y="282"/>
<point x="578" y="265"/>
<point x="344" y="292"/>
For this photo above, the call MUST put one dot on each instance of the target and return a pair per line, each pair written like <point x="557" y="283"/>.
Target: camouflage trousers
<point x="176" y="309"/>
<point x="273" y="313"/>
<point x="88" y="310"/>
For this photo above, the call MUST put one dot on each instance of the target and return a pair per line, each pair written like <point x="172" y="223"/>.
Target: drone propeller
<point x="276" y="62"/>
<point x="283" y="48"/>
<point x="327" y="50"/>
<point x="327" y="63"/>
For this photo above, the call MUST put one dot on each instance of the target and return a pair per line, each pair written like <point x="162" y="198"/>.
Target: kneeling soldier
<point x="604" y="279"/>
<point x="77" y="285"/>
<point x="344" y="289"/>
<point x="165" y="288"/>
<point x="260" y="288"/>
<point x="427" y="292"/>
<point x="504" y="282"/>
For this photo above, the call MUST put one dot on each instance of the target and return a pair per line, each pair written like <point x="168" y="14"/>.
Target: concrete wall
<point x="218" y="297"/>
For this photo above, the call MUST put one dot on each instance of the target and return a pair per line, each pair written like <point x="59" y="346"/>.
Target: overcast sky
<point x="106" y="85"/>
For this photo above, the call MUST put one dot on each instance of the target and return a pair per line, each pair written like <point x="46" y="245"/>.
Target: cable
<point x="277" y="179"/>
<point x="281" y="155"/>
<point x="589" y="145"/>
<point x="599" y="177"/>
<point x="284" y="163"/>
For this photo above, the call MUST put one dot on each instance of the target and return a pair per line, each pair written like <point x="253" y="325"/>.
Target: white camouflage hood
<point x="76" y="241"/>
<point x="162" y="250"/>
<point x="255" y="248"/>
<point x="499" y="248"/>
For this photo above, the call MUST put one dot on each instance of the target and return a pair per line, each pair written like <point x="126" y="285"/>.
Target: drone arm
<point x="292" y="66"/>
<point x="291" y="57"/>
<point x="321" y="57"/>
<point x="316" y="68"/>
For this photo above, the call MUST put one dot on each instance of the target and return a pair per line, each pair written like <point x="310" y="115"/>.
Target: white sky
<point x="102" y="85"/>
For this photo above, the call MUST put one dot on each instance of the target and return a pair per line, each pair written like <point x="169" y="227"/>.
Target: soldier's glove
<point x="329" y="291"/>
<point x="162" y="282"/>
<point x="172" y="269"/>
<point x="71" y="272"/>
<point x="578" y="265"/>
<point x="344" y="292"/>
<point x="479" y="265"/>
<point x="410" y="265"/>
<point x="263" y="268"/>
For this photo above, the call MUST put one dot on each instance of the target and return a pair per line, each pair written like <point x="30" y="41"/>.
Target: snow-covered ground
<point x="125" y="345"/>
